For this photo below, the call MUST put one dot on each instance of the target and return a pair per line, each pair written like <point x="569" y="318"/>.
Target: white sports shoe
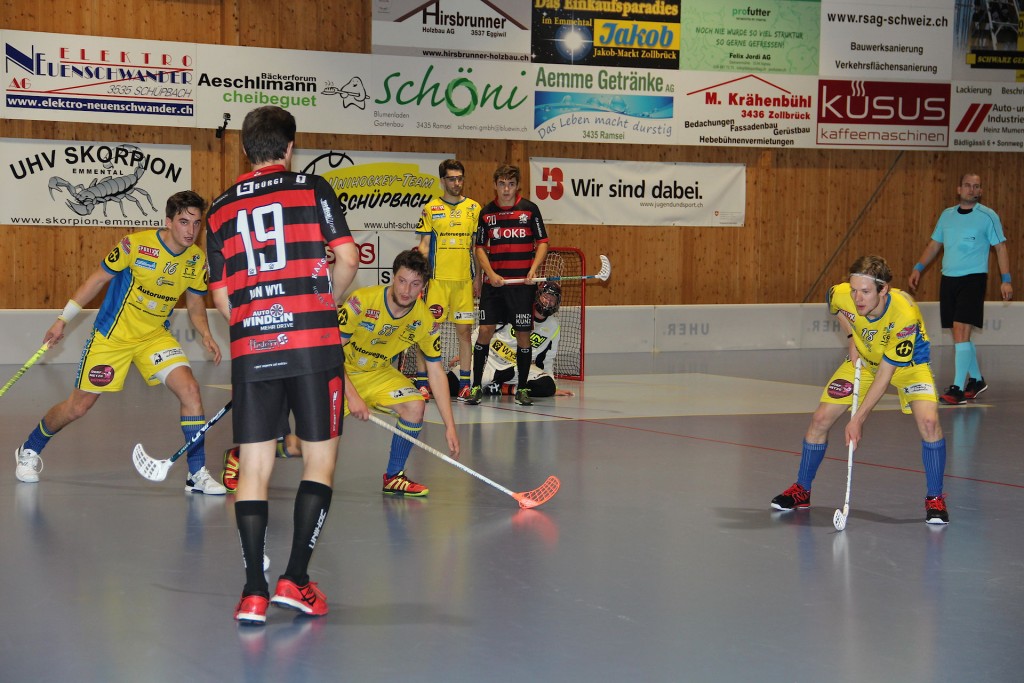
<point x="29" y="465"/>
<point x="202" y="482"/>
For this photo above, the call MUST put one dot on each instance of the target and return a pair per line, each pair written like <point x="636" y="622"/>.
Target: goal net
<point x="561" y="262"/>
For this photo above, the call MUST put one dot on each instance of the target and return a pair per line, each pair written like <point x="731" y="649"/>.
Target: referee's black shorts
<point x="962" y="299"/>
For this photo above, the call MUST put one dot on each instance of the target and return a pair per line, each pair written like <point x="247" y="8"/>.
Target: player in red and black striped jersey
<point x="511" y="242"/>
<point x="270" y="278"/>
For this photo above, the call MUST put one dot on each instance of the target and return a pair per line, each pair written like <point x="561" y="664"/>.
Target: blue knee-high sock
<point x="933" y="455"/>
<point x="400" y="447"/>
<point x="810" y="459"/>
<point x="421" y="379"/>
<point x="962" y="360"/>
<point x="39" y="437"/>
<point x="464" y="377"/>
<point x="973" y="370"/>
<point x="190" y="426"/>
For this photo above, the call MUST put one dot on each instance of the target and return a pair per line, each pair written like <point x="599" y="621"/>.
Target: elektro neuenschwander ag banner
<point x="87" y="184"/>
<point x="382" y="195"/>
<point x="56" y="77"/>
<point x="591" y="192"/>
<point x="453" y="29"/>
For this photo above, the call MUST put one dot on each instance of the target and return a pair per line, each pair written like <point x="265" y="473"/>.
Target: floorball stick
<point x="526" y="499"/>
<point x="839" y="518"/>
<point x="21" y="371"/>
<point x="156" y="470"/>
<point x="603" y="275"/>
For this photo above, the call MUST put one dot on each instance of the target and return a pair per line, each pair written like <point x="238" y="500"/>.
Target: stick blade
<point x="540" y="495"/>
<point x="154" y="470"/>
<point x="839" y="520"/>
<point x="606" y="269"/>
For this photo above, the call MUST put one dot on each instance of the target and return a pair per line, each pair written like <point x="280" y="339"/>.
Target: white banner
<point x="909" y="41"/>
<point x="453" y="29"/>
<point x="382" y="194"/>
<point x="56" y="77"/>
<point x="582" y="191"/>
<point x="58" y="182"/>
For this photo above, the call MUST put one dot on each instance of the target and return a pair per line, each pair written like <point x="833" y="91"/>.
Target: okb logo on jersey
<point x="883" y="114"/>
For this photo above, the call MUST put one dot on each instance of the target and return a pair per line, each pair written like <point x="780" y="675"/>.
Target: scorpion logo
<point x="110" y="189"/>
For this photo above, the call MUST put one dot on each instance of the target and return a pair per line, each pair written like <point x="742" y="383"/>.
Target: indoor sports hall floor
<point x="659" y="560"/>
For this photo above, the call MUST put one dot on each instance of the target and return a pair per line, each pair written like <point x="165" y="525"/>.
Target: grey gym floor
<point x="659" y="559"/>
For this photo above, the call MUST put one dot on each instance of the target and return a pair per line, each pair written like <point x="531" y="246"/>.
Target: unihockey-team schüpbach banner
<point x="592" y="192"/>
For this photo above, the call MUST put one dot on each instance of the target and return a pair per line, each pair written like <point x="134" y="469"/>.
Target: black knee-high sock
<point x="251" y="518"/>
<point x="312" y="501"/>
<point x="523" y="358"/>
<point x="479" y="359"/>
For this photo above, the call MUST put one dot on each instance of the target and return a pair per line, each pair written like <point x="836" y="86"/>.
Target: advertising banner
<point x="883" y="114"/>
<point x="325" y="91"/>
<point x="602" y="104"/>
<point x="382" y="195"/>
<point x="910" y="41"/>
<point x="453" y="29"/>
<point x="641" y="35"/>
<point x="80" y="184"/>
<point x="56" y="77"/>
<point x="771" y="36"/>
<point x="771" y="110"/>
<point x="593" y="192"/>
<point x="988" y="117"/>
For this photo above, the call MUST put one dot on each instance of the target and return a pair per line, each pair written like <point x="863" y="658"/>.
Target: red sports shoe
<point x="425" y="393"/>
<point x="252" y="610"/>
<point x="306" y="599"/>
<point x="401" y="485"/>
<point x="230" y="476"/>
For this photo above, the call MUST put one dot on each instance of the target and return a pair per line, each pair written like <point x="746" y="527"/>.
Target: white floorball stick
<point x="839" y="518"/>
<point x="526" y="499"/>
<point x="156" y="470"/>
<point x="603" y="275"/>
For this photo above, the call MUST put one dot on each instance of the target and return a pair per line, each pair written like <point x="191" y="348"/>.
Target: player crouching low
<point x="500" y="375"/>
<point x="376" y="324"/>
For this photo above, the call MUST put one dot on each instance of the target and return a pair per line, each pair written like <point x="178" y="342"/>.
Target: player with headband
<point x="886" y="331"/>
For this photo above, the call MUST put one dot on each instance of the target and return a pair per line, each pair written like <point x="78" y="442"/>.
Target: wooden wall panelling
<point x="800" y="203"/>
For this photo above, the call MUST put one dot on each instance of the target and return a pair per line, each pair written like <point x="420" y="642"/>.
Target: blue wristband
<point x="1006" y="277"/>
<point x="918" y="267"/>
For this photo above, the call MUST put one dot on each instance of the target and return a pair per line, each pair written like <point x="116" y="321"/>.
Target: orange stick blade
<point x="540" y="495"/>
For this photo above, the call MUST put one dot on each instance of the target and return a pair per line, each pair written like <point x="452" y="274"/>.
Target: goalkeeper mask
<point x="549" y="297"/>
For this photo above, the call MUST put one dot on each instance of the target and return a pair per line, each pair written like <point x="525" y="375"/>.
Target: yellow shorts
<point x="912" y="382"/>
<point x="383" y="387"/>
<point x="105" y="363"/>
<point x="451" y="300"/>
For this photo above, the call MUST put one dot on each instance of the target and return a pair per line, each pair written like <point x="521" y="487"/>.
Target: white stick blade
<point x="839" y="520"/>
<point x="154" y="470"/>
<point x="606" y="268"/>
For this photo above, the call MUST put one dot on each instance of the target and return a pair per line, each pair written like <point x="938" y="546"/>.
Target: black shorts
<point x="510" y="304"/>
<point x="962" y="299"/>
<point x="316" y="400"/>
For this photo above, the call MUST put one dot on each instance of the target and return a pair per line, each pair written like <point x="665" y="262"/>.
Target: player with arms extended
<point x="886" y="331"/>
<point x="377" y="323"/>
<point x="511" y="242"/>
<point x="270" y="278"/>
<point x="148" y="271"/>
<point x="447" y="229"/>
